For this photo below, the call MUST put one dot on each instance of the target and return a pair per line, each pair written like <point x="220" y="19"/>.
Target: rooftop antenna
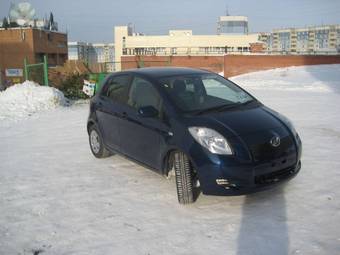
<point x="226" y="10"/>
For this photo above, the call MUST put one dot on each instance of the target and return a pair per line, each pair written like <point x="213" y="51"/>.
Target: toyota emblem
<point x="275" y="141"/>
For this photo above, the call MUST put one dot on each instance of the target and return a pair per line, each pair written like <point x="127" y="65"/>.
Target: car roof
<point x="158" y="72"/>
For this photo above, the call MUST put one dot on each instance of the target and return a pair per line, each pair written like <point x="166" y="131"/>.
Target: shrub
<point x="72" y="86"/>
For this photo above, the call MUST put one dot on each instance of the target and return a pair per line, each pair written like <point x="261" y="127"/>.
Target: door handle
<point x="166" y="133"/>
<point x="124" y="115"/>
<point x="99" y="105"/>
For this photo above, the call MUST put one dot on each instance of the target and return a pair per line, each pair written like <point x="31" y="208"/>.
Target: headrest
<point x="179" y="86"/>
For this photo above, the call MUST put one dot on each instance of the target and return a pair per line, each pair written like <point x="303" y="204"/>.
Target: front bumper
<point x="223" y="175"/>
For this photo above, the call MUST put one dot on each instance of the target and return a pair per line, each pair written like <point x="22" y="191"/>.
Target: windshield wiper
<point x="223" y="107"/>
<point x="249" y="101"/>
<point x="217" y="108"/>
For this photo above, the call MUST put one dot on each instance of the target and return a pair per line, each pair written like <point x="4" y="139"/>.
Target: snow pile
<point x="318" y="78"/>
<point x="22" y="100"/>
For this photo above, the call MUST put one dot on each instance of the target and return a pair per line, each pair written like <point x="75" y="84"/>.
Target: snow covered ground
<point x="55" y="197"/>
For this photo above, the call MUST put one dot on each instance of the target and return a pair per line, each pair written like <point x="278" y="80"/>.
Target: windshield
<point x="202" y="92"/>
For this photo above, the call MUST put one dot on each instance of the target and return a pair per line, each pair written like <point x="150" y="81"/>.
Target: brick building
<point x="31" y="43"/>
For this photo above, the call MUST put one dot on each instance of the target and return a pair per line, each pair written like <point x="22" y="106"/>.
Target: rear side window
<point x="117" y="88"/>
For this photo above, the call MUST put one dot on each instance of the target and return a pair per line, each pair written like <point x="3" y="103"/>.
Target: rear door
<point x="140" y="135"/>
<point x="110" y="109"/>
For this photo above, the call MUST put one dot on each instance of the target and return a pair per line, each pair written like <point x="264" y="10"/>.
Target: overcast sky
<point x="93" y="20"/>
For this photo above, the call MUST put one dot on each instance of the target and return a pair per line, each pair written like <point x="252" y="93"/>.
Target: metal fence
<point x="37" y="72"/>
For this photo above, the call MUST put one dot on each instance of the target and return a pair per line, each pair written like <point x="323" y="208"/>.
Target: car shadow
<point x="263" y="227"/>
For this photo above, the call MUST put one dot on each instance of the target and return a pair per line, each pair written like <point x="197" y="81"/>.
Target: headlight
<point x="211" y="140"/>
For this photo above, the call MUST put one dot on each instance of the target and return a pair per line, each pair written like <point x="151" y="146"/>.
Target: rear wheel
<point x="184" y="178"/>
<point x="96" y="143"/>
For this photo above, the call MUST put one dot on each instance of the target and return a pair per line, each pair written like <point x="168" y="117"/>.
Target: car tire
<point x="96" y="143"/>
<point x="184" y="178"/>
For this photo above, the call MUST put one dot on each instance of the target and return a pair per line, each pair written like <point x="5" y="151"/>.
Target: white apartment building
<point x="93" y="54"/>
<point x="232" y="25"/>
<point x="310" y="40"/>
<point x="104" y="53"/>
<point x="178" y="42"/>
<point x="78" y="51"/>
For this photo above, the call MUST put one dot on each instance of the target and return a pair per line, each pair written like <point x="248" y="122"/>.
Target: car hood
<point x="242" y="122"/>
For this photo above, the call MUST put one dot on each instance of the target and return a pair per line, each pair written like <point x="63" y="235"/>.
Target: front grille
<point x="274" y="176"/>
<point x="265" y="151"/>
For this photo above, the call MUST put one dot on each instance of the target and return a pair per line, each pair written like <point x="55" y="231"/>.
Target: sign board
<point x="15" y="80"/>
<point x="14" y="72"/>
<point x="89" y="88"/>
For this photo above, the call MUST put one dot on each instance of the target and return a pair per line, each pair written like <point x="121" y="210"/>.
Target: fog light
<point x="222" y="181"/>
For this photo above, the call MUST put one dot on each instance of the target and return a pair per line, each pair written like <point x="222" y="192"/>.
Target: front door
<point x="141" y="135"/>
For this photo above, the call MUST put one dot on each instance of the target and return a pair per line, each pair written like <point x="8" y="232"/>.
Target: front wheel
<point x="184" y="178"/>
<point x="96" y="143"/>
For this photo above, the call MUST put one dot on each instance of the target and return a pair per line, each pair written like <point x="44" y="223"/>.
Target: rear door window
<point x="117" y="88"/>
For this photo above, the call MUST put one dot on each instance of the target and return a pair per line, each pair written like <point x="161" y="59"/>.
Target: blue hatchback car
<point x="205" y="130"/>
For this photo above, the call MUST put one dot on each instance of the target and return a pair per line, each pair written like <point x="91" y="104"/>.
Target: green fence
<point x="97" y="78"/>
<point x="37" y="72"/>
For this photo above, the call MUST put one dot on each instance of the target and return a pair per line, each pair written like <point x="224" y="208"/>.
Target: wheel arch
<point x="168" y="160"/>
<point x="169" y="156"/>
<point x="90" y="123"/>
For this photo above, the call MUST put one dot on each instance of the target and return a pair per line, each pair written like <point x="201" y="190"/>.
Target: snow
<point x="22" y="100"/>
<point x="302" y="78"/>
<point x="57" y="198"/>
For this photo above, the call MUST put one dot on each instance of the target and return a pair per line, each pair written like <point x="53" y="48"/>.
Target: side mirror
<point x="148" y="112"/>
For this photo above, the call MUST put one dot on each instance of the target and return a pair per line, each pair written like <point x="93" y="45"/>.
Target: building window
<point x="284" y="38"/>
<point x="124" y="42"/>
